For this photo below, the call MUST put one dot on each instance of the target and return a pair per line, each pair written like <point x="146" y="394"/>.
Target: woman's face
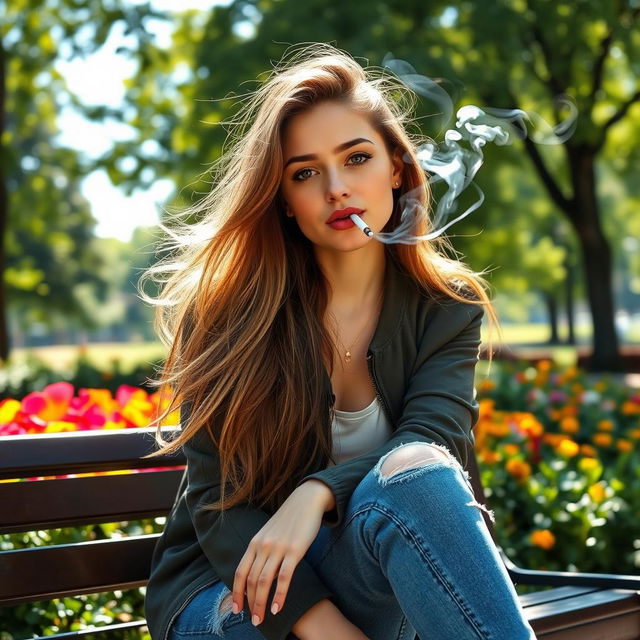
<point x="334" y="159"/>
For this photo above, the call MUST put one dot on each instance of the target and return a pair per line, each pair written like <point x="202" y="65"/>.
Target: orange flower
<point x="630" y="408"/>
<point x="605" y="425"/>
<point x="531" y="425"/>
<point x="597" y="492"/>
<point x="544" y="365"/>
<point x="543" y="538"/>
<point x="518" y="468"/>
<point x="624" y="445"/>
<point x="490" y="457"/>
<point x="568" y="448"/>
<point x="588" y="450"/>
<point x="569" y="424"/>
<point x="602" y="439"/>
<point x="576" y="387"/>
<point x="511" y="449"/>
<point x="486" y="385"/>
<point x="634" y="434"/>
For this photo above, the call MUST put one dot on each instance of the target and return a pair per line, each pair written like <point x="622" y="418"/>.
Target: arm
<point x="439" y="402"/>
<point x="225" y="538"/>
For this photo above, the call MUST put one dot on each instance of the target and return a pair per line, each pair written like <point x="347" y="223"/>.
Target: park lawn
<point x="527" y="339"/>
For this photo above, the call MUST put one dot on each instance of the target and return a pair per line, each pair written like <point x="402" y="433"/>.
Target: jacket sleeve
<point x="225" y="538"/>
<point x="439" y="402"/>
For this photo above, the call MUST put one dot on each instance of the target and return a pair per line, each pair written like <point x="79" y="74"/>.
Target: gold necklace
<point x="347" y="354"/>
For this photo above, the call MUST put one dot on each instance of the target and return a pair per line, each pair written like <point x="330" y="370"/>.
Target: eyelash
<point x="298" y="175"/>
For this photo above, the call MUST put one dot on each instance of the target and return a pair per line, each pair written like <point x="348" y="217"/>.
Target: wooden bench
<point x="584" y="606"/>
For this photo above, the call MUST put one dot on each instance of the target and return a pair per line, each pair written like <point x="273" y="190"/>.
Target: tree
<point x="48" y="259"/>
<point x="504" y="54"/>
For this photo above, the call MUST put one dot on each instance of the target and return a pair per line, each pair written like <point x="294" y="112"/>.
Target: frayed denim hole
<point x="413" y="471"/>
<point x="216" y="618"/>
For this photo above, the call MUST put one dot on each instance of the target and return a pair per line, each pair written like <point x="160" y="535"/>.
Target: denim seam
<point x="436" y="571"/>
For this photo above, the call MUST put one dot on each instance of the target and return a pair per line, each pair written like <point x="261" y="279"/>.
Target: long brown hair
<point x="241" y="306"/>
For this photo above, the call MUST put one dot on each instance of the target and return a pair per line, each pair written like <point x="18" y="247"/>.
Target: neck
<point x="356" y="278"/>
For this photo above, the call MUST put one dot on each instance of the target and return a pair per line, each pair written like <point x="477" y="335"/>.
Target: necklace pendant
<point x="347" y="356"/>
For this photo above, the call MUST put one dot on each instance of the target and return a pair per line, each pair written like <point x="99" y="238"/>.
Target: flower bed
<point x="559" y="461"/>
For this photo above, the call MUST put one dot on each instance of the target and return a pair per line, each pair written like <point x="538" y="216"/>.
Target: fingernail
<point x="235" y="608"/>
<point x="275" y="608"/>
<point x="255" y="620"/>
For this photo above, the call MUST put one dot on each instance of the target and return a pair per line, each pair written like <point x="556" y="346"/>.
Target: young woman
<point x="326" y="387"/>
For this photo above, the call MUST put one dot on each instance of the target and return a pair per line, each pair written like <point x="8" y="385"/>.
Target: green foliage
<point x="19" y="379"/>
<point x="78" y="612"/>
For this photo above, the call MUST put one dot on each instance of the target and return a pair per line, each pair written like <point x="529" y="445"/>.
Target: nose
<point x="337" y="188"/>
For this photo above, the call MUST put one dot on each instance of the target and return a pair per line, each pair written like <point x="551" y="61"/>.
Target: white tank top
<point x="356" y="432"/>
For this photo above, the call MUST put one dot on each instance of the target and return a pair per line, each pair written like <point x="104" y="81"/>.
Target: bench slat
<point x="74" y="569"/>
<point x="590" y="613"/>
<point x="65" y="502"/>
<point x="82" y="452"/>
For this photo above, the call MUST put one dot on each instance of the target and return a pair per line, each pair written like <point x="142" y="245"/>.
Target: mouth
<point x="343" y="214"/>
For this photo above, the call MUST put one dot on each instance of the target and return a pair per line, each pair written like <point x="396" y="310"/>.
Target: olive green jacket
<point x="421" y="359"/>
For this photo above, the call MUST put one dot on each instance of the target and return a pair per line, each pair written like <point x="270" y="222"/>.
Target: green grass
<point x="524" y="339"/>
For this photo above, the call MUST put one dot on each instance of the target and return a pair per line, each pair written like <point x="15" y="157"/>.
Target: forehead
<point x="324" y="126"/>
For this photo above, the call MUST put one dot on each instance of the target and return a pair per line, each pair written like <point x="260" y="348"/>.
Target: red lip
<point x="343" y="213"/>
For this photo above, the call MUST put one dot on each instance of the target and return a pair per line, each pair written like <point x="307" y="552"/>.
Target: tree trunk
<point x="552" y="310"/>
<point x="585" y="216"/>
<point x="571" y="333"/>
<point x="4" y="212"/>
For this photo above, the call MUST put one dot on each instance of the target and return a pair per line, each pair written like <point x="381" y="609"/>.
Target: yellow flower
<point x="8" y="410"/>
<point x="569" y="424"/>
<point x="588" y="464"/>
<point x="568" y="447"/>
<point x="518" y="468"/>
<point x="602" y="439"/>
<point x="511" y="449"/>
<point x="597" y="492"/>
<point x="605" y="425"/>
<point x="588" y="450"/>
<point x="543" y="538"/>
<point x="58" y="426"/>
<point x="624" y="445"/>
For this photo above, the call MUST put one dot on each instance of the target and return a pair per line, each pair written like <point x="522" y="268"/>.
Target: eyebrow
<point x="338" y="149"/>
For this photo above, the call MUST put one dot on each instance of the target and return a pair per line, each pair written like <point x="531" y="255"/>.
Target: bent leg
<point x="411" y="531"/>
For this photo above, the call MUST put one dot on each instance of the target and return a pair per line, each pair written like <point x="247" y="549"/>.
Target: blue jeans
<point x="420" y="558"/>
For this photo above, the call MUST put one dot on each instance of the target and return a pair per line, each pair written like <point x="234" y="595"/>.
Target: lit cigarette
<point x="361" y="224"/>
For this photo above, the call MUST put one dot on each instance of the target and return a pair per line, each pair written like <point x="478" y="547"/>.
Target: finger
<point x="284" y="582"/>
<point x="265" y="580"/>
<point x="240" y="578"/>
<point x="253" y="580"/>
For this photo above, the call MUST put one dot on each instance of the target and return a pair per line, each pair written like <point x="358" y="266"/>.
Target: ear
<point x="398" y="166"/>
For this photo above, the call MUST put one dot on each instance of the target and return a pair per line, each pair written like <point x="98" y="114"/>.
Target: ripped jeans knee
<point x="411" y="460"/>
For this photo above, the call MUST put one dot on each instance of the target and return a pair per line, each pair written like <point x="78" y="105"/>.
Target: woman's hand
<point x="275" y="551"/>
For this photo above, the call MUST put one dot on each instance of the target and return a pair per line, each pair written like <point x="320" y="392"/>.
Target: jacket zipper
<point x="187" y="600"/>
<point x="376" y="386"/>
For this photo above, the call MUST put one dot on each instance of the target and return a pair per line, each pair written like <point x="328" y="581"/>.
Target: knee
<point x="412" y="456"/>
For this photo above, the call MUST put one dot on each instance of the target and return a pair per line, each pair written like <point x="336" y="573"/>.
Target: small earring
<point x="396" y="184"/>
